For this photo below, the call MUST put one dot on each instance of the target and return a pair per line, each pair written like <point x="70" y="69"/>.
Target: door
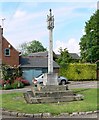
<point x="28" y="75"/>
<point x="31" y="73"/>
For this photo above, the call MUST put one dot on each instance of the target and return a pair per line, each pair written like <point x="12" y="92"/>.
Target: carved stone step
<point x="54" y="93"/>
<point x="51" y="88"/>
<point x="54" y="99"/>
<point x="50" y="94"/>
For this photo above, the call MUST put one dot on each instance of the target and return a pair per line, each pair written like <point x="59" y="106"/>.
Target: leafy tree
<point x="31" y="47"/>
<point x="23" y="49"/>
<point x="64" y="57"/>
<point x="89" y="43"/>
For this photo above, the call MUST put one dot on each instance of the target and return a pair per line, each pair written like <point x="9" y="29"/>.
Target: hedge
<point x="78" y="71"/>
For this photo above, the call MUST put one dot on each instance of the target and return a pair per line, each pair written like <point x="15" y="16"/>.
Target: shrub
<point x="11" y="73"/>
<point x="1" y="83"/>
<point x="7" y="86"/>
<point x="79" y="71"/>
<point x="17" y="84"/>
<point x="25" y="82"/>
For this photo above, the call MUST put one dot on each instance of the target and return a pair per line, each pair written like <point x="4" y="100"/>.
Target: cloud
<point x="28" y="24"/>
<point x="19" y="14"/>
<point x="72" y="45"/>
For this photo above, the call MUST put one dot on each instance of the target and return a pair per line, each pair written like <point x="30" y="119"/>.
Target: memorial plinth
<point x="50" y="79"/>
<point x="50" y="94"/>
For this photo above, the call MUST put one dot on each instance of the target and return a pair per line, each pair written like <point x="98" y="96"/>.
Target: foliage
<point x="17" y="84"/>
<point x="89" y="43"/>
<point x="64" y="57"/>
<point x="31" y="47"/>
<point x="7" y="86"/>
<point x="17" y="103"/>
<point x="14" y="85"/>
<point x="25" y="82"/>
<point x="79" y="71"/>
<point x="10" y="73"/>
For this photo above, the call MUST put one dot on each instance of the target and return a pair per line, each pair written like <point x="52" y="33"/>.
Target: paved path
<point x="84" y="84"/>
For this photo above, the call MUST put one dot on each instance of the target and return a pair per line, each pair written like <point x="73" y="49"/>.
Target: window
<point x="7" y="52"/>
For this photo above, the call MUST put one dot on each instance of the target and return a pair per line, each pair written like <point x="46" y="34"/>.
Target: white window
<point x="7" y="52"/>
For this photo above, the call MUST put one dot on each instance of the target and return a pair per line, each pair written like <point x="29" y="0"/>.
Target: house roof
<point x="39" y="54"/>
<point x="74" y="56"/>
<point x="45" y="54"/>
<point x="41" y="62"/>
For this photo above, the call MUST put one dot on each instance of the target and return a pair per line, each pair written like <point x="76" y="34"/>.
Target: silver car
<point x="39" y="80"/>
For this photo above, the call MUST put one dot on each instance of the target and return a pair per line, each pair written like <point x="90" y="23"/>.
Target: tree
<point x="23" y="49"/>
<point x="89" y="43"/>
<point x="64" y="57"/>
<point x="31" y="47"/>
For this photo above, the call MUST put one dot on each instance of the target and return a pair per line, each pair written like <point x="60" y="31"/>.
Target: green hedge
<point x="78" y="71"/>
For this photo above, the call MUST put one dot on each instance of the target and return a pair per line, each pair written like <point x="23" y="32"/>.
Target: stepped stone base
<point x="50" y="94"/>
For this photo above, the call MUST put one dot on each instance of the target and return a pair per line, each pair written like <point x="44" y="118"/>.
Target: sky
<point x="25" y="21"/>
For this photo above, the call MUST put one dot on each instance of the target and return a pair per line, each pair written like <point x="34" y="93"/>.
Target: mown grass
<point x="16" y="102"/>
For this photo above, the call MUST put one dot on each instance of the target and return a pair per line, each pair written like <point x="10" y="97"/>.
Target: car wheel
<point x="63" y="82"/>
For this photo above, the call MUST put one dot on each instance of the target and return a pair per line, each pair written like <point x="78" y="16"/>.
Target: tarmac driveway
<point x="83" y="84"/>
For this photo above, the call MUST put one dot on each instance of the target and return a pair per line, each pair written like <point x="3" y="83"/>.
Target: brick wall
<point x="13" y="59"/>
<point x="1" y="31"/>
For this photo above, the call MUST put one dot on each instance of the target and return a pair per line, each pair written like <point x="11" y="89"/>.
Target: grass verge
<point x="16" y="102"/>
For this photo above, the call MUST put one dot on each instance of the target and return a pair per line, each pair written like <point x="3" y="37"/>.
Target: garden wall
<point x="78" y="71"/>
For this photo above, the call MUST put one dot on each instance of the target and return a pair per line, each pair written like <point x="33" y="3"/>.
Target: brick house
<point x="8" y="54"/>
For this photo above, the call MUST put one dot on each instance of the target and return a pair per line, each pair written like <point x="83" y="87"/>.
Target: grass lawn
<point x="16" y="102"/>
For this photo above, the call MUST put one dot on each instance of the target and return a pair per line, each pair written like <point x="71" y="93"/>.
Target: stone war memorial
<point x="50" y="91"/>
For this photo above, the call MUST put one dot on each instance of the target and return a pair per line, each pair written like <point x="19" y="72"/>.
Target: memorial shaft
<point x="50" y="21"/>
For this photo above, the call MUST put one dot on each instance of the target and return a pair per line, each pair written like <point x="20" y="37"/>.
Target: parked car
<point x="39" y="80"/>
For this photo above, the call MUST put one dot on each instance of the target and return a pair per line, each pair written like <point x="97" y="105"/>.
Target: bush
<point x="79" y="71"/>
<point x="17" y="84"/>
<point x="1" y="83"/>
<point x="25" y="82"/>
<point x="7" y="86"/>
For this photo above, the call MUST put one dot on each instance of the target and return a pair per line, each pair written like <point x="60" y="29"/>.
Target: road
<point x="84" y="84"/>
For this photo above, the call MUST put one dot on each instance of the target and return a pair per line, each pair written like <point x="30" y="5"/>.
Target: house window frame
<point x="7" y="52"/>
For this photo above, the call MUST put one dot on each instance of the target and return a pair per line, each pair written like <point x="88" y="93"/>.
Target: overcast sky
<point x="26" y="21"/>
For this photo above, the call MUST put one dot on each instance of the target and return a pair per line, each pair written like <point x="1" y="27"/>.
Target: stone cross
<point x="50" y="26"/>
